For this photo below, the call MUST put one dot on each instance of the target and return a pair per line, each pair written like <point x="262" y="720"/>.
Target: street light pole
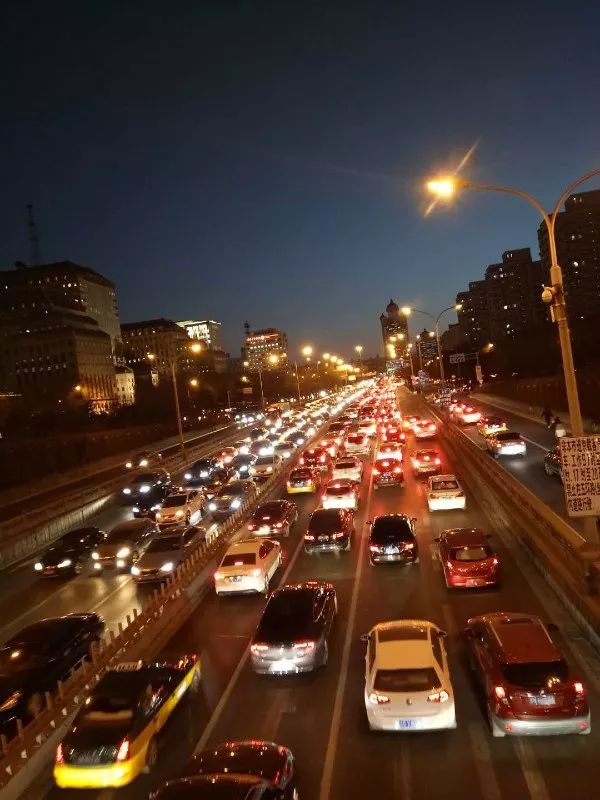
<point x="262" y="393"/>
<point x="456" y="307"/>
<point x="177" y="409"/>
<point x="297" y="380"/>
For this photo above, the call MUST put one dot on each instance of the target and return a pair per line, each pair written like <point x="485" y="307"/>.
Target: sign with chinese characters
<point x="457" y="358"/>
<point x="580" y="464"/>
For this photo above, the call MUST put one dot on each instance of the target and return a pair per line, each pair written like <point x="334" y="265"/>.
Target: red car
<point x="388" y="472"/>
<point x="315" y="457"/>
<point x="529" y="687"/>
<point x="392" y="433"/>
<point x="467" y="559"/>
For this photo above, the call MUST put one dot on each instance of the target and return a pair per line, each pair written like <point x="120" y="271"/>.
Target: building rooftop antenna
<point x="34" y="239"/>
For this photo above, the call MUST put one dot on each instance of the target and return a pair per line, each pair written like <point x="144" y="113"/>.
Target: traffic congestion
<point x="370" y="597"/>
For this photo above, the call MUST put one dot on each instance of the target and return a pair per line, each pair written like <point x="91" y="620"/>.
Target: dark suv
<point x="329" y="529"/>
<point x="529" y="687"/>
<point x="552" y="463"/>
<point x="388" y="472"/>
<point x="392" y="538"/>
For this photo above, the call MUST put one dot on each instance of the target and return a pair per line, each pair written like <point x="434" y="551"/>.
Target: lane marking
<point x="334" y="728"/>
<point x="224" y="699"/>
<point x="536" y="444"/>
<point x="402" y="775"/>
<point x="533" y="777"/>
<point x="449" y="620"/>
<point x="484" y="763"/>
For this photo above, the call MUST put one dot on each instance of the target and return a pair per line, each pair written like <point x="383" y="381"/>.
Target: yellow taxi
<point x="303" y="480"/>
<point x="114" y="735"/>
<point x="490" y="425"/>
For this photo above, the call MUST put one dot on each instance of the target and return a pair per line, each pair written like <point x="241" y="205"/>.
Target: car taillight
<point x="378" y="699"/>
<point x="500" y="694"/>
<point x="322" y="459"/>
<point x="417" y="463"/>
<point x="59" y="756"/>
<point x="374" y="548"/>
<point x="432" y="427"/>
<point x="251" y="526"/>
<point x="397" y="470"/>
<point x="338" y="535"/>
<point x="495" y="561"/>
<point x="460" y="494"/>
<point x="218" y="575"/>
<point x="409" y="545"/>
<point x="376" y="471"/>
<point x="301" y="461"/>
<point x="438" y="461"/>
<point x="439" y="697"/>
<point x="309" y="536"/>
<point x="258" y="648"/>
<point x="123" y="751"/>
<point x="579" y="690"/>
<point x="279" y="524"/>
<point x="308" y="645"/>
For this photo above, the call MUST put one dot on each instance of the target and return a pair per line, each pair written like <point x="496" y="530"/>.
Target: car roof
<point x="404" y="643"/>
<point x="327" y="512"/>
<point x="521" y="637"/>
<point x="428" y="452"/>
<point x="341" y="483"/>
<point x="245" y="546"/>
<point x="448" y="477"/>
<point x="463" y="537"/>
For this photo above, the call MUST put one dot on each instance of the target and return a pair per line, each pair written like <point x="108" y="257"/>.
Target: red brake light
<point x="59" y="756"/>
<point x="378" y="699"/>
<point x="251" y="525"/>
<point x="437" y="461"/>
<point x="322" y="459"/>
<point x="438" y="697"/>
<point x="123" y="751"/>
<point x="309" y="537"/>
<point x="304" y="645"/>
<point x="375" y="471"/>
<point x="397" y="470"/>
<point x="500" y="693"/>
<point x="579" y="690"/>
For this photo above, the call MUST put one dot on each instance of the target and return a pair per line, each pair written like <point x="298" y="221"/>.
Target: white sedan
<point x="444" y="493"/>
<point x="265" y="466"/>
<point x="340" y="494"/>
<point x="407" y="680"/>
<point x="349" y="467"/>
<point x="181" y="506"/>
<point x="248" y="566"/>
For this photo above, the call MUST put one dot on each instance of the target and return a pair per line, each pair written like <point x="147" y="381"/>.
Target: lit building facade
<point x="264" y="345"/>
<point x="394" y="332"/>
<point x="206" y="330"/>
<point x="162" y="338"/>
<point x="125" y="380"/>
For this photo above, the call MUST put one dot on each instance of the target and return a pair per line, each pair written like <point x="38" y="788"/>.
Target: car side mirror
<point x="437" y="539"/>
<point x="442" y="634"/>
<point x="364" y="637"/>
<point x="552" y="627"/>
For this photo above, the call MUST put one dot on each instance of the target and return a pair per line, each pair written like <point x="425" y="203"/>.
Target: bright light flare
<point x="442" y="187"/>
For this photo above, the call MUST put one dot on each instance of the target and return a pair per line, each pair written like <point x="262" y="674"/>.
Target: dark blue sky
<point x="263" y="160"/>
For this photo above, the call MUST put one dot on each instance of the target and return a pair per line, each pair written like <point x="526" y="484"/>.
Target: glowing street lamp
<point x="194" y="382"/>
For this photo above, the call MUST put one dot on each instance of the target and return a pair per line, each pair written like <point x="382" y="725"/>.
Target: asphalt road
<point x="321" y="716"/>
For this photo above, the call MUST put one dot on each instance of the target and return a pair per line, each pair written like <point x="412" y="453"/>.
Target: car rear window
<point x="470" y="553"/>
<point x="406" y="680"/>
<point x="390" y="530"/>
<point x="324" y="522"/>
<point x="439" y="486"/>
<point x="239" y="560"/>
<point x="345" y="465"/>
<point x="508" y="436"/>
<point x="356" y="438"/>
<point x="176" y="500"/>
<point x="534" y="674"/>
<point x="337" y="491"/>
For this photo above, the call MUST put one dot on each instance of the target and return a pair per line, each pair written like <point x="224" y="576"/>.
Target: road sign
<point x="580" y="462"/>
<point x="457" y="358"/>
<point x="247" y="390"/>
<point x="478" y="374"/>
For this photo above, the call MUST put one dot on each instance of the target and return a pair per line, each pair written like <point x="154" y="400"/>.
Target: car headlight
<point x="136" y="510"/>
<point x="65" y="563"/>
<point x="135" y="570"/>
<point x="269" y="469"/>
<point x="143" y="462"/>
<point x="236" y="503"/>
<point x="244" y="468"/>
<point x="11" y="701"/>
<point x="212" y="506"/>
<point x="123" y="552"/>
<point x="95" y="556"/>
<point x="204" y="474"/>
<point x="127" y="490"/>
<point x="129" y="465"/>
<point x="144" y="489"/>
<point x="154" y="508"/>
<point x="38" y="566"/>
<point x="187" y="476"/>
<point x="167" y="567"/>
<point x="179" y="513"/>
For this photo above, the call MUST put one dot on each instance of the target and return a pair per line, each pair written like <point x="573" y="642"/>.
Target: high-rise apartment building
<point x="394" y="332"/>
<point x="266" y="349"/>
<point x="206" y="330"/>
<point x="577" y="233"/>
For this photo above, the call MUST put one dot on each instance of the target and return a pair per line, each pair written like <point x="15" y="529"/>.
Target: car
<point x="246" y="769"/>
<point x="357" y="444"/>
<point x="489" y="425"/>
<point x="444" y="493"/>
<point x="69" y="554"/>
<point x="298" y="438"/>
<point x="201" y="470"/>
<point x="467" y="415"/>
<point x="283" y="450"/>
<point x="410" y="421"/>
<point x="147" y="484"/>
<point x="506" y="443"/>
<point x="241" y="464"/>
<point x="292" y="635"/>
<point x="33" y="660"/>
<point x="143" y="460"/>
<point x="146" y="505"/>
<point x="166" y="551"/>
<point x="407" y="680"/>
<point x="329" y="529"/>
<point x="248" y="566"/>
<point x="315" y="457"/>
<point x="257" y="433"/>
<point x="182" y="505"/>
<point x="220" y="477"/>
<point x="553" y="463"/>
<point x="276" y="517"/>
<point x="387" y="472"/>
<point x="262" y="447"/>
<point x="114" y="736"/>
<point x="303" y="480"/>
<point x="390" y="450"/>
<point x="425" y="429"/>
<point x="336" y="431"/>
<point x="330" y="445"/>
<point x="231" y="497"/>
<point x="425" y="462"/>
<point x="368" y="426"/>
<point x="124" y="544"/>
<point x="468" y="561"/>
<point x="342" y="493"/>
<point x="265" y="466"/>
<point x="528" y="686"/>
<point x="348" y="468"/>
<point x="392" y="538"/>
<point x="392" y="434"/>
<point x="225" y="456"/>
<point x="242" y="447"/>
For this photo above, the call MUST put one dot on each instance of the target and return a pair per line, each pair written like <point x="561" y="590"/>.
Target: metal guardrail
<point x="562" y="549"/>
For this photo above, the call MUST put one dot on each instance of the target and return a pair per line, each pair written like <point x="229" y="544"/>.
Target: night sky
<point x="264" y="160"/>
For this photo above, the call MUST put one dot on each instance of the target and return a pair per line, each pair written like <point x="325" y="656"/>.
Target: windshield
<point x="176" y="500"/>
<point x="265" y="461"/>
<point x="239" y="560"/>
<point x="470" y="553"/>
<point x="536" y="674"/>
<point x="325" y="522"/>
<point x="300" y="475"/>
<point x="286" y="613"/>
<point x="337" y="491"/>
<point x="120" y="535"/>
<point x="231" y="490"/>
<point x="165" y="544"/>
<point x="345" y="465"/>
<point x="356" y="438"/>
<point x="406" y="680"/>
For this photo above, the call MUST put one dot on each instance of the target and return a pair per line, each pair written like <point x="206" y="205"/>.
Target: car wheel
<point x="151" y="755"/>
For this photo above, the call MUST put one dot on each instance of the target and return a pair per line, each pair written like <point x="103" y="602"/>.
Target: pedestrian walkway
<point x="533" y="413"/>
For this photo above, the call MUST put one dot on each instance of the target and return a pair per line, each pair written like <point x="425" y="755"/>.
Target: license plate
<point x="323" y="538"/>
<point x="391" y="550"/>
<point x="235" y="578"/>
<point x="282" y="666"/>
<point x="264" y="529"/>
<point x="406" y="724"/>
<point x="543" y="700"/>
<point x="471" y="582"/>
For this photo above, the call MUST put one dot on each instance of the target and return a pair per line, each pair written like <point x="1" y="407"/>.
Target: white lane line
<point x="484" y="763"/>
<point x="224" y="699"/>
<point x="449" y="620"/>
<point x="334" y="729"/>
<point x="536" y="444"/>
<point x="435" y="557"/>
<point x="533" y="777"/>
<point x="402" y="777"/>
